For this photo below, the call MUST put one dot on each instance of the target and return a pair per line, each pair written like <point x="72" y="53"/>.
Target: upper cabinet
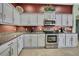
<point x="16" y="17"/>
<point x="7" y="13"/>
<point x="49" y="15"/>
<point x="40" y="19"/>
<point x="70" y="20"/>
<point x="58" y="19"/>
<point x="33" y="19"/>
<point x="29" y="19"/>
<point x="67" y="19"/>
<point x="64" y="20"/>
<point x="0" y="13"/>
<point x="0" y="8"/>
<point x="76" y="9"/>
<point x="25" y="19"/>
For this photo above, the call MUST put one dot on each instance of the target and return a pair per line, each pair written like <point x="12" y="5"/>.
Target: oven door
<point x="51" y="39"/>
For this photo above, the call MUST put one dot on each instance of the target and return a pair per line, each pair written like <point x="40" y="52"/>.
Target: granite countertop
<point x="5" y="37"/>
<point x="35" y="33"/>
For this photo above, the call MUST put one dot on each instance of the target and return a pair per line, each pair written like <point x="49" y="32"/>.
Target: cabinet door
<point x="0" y="8"/>
<point x="0" y="13"/>
<point x="34" y="40"/>
<point x="61" y="41"/>
<point x="6" y="52"/>
<point x="70" y="20"/>
<point x="76" y="9"/>
<point x="33" y="19"/>
<point x="16" y="17"/>
<point x="41" y="40"/>
<point x="58" y="19"/>
<point x="68" y="40"/>
<point x="53" y="15"/>
<point x="25" y="19"/>
<point x="64" y="19"/>
<point x="14" y="48"/>
<point x="7" y="13"/>
<point x="27" y="41"/>
<point x="40" y="19"/>
<point x="20" y="43"/>
<point x="74" y="40"/>
<point x="47" y="15"/>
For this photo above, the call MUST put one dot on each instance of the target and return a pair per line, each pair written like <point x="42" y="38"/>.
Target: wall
<point x="58" y="7"/>
<point x="7" y="28"/>
<point x="20" y="28"/>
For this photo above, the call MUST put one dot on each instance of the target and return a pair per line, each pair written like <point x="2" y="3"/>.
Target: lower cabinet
<point x="41" y="40"/>
<point x="67" y="40"/>
<point x="20" y="44"/>
<point x="74" y="40"/>
<point x="9" y="48"/>
<point x="30" y="41"/>
<point x="13" y="47"/>
<point x="34" y="40"/>
<point x="27" y="41"/>
<point x="6" y="52"/>
<point x="61" y="40"/>
<point x="5" y="49"/>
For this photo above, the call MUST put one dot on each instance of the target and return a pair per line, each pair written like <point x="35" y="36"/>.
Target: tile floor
<point x="51" y="52"/>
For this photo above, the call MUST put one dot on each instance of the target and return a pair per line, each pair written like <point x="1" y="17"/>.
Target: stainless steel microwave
<point x="49" y="22"/>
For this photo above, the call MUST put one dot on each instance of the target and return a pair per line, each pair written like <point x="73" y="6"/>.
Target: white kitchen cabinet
<point x="13" y="47"/>
<point x="76" y="9"/>
<point x="9" y="48"/>
<point x="5" y="49"/>
<point x="16" y="17"/>
<point x="74" y="40"/>
<point x="59" y="19"/>
<point x="7" y="13"/>
<point x="27" y="41"/>
<point x="34" y="41"/>
<point x="69" y="40"/>
<point x="49" y="15"/>
<point x="0" y="8"/>
<point x="1" y="13"/>
<point x="53" y="15"/>
<point x="25" y="19"/>
<point x="40" y="19"/>
<point x="64" y="19"/>
<point x="6" y="52"/>
<point x="33" y="19"/>
<point x="41" y="40"/>
<point x="61" y="41"/>
<point x="70" y="19"/>
<point x="20" y="43"/>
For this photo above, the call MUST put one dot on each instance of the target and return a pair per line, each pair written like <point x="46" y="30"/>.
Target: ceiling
<point x="36" y="7"/>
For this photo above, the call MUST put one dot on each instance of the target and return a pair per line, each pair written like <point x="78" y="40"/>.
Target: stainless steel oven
<point x="51" y="41"/>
